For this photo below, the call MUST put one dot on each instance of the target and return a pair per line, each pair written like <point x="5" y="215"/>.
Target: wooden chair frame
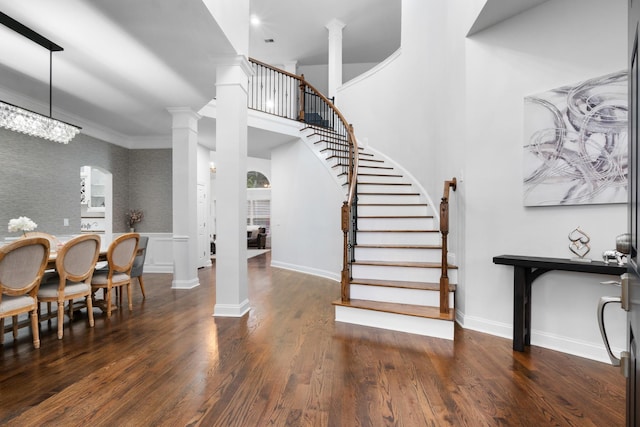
<point x="115" y="268"/>
<point x="65" y="276"/>
<point x="30" y="288"/>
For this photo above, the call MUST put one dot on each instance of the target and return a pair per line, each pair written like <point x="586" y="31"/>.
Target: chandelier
<point x="29" y="122"/>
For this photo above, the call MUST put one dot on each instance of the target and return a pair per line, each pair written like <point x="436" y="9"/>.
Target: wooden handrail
<point x="348" y="221"/>
<point x="444" y="230"/>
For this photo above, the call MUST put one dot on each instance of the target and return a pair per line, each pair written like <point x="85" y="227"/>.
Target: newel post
<point x="345" y="290"/>
<point x="444" y="230"/>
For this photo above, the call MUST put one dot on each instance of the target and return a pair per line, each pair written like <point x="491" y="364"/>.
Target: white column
<point x="291" y="67"/>
<point x="231" y="188"/>
<point x="335" y="56"/>
<point x="185" y="203"/>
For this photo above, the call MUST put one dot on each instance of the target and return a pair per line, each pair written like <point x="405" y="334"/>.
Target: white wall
<point x="560" y="42"/>
<point x="449" y="106"/>
<point x="318" y="75"/>
<point x="305" y="213"/>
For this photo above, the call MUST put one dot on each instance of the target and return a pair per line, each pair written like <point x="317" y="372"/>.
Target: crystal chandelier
<point x="24" y="121"/>
<point x="28" y="122"/>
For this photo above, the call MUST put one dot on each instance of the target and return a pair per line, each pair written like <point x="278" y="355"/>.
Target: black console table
<point x="528" y="268"/>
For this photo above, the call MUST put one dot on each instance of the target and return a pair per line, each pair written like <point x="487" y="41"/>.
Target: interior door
<point x="633" y="301"/>
<point x="203" y="240"/>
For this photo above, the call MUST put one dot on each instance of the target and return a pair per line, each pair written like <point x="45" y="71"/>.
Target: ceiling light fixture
<point x="29" y="122"/>
<point x="255" y="21"/>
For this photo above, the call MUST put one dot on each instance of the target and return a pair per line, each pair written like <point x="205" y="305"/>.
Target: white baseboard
<point x="231" y="310"/>
<point x="307" y="270"/>
<point x="185" y="284"/>
<point x="564" y="344"/>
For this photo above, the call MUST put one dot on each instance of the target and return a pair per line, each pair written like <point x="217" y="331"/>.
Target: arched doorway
<point x="96" y="201"/>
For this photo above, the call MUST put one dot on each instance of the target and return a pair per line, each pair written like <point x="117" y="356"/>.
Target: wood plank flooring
<point x="287" y="363"/>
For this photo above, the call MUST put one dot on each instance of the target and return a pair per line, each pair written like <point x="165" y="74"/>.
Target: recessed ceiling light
<point x="269" y="40"/>
<point x="255" y="21"/>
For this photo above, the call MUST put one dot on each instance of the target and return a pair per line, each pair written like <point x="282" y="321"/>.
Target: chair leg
<point x="34" y="329"/>
<point x="90" y="310"/>
<point x="60" y="318"/>
<point x="14" y="324"/>
<point x="108" y="298"/>
<point x="129" y="296"/>
<point x="144" y="296"/>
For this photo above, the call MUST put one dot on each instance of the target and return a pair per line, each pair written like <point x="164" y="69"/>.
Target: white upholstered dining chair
<point x="120" y="256"/>
<point x="22" y="264"/>
<point x="75" y="263"/>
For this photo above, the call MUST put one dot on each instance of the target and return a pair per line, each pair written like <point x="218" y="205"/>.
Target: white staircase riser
<point x="374" y="168"/>
<point x="393" y="210"/>
<point x="396" y="254"/>
<point x="425" y="298"/>
<point x="398" y="238"/>
<point x="409" y="274"/>
<point x="381" y="177"/>
<point x="396" y="322"/>
<point x="389" y="198"/>
<point x="381" y="188"/>
<point x="403" y="223"/>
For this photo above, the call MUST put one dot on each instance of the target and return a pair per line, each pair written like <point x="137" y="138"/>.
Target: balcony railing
<point x="287" y="95"/>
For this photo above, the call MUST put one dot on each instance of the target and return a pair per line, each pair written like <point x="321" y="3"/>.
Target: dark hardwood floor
<point x="287" y="363"/>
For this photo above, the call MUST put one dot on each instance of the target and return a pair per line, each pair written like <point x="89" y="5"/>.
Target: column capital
<point x="183" y="117"/>
<point x="335" y="26"/>
<point x="226" y="69"/>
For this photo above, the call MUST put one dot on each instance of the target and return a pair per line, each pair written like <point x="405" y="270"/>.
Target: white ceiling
<point x="125" y="61"/>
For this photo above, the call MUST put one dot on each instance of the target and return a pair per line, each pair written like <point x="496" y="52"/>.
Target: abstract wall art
<point x="575" y="143"/>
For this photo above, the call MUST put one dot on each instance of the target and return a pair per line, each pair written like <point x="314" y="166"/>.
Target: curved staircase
<point x="395" y="272"/>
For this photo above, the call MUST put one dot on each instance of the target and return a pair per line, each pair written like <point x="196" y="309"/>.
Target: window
<point x="257" y="180"/>
<point x="259" y="213"/>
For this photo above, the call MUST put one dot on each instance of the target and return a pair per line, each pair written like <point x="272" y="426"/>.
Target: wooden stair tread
<point x="344" y="150"/>
<point x="404" y="264"/>
<point x="405" y="309"/>
<point x="346" y="156"/>
<point x="392" y="204"/>
<point x="361" y="193"/>
<point x="380" y="174"/>
<point x="364" y="166"/>
<point x="398" y="231"/>
<point x="396" y="246"/>
<point x="394" y="216"/>
<point x="426" y="286"/>
<point x="404" y="184"/>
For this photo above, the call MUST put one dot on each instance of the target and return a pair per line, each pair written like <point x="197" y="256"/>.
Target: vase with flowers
<point x="23" y="224"/>
<point x="134" y="216"/>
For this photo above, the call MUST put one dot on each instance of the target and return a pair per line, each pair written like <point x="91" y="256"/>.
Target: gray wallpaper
<point x="41" y="180"/>
<point x="150" y="187"/>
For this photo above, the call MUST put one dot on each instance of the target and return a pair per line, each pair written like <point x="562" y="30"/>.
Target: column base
<point x="231" y="310"/>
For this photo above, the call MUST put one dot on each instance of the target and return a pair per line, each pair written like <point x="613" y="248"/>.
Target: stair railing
<point x="444" y="231"/>
<point x="287" y="95"/>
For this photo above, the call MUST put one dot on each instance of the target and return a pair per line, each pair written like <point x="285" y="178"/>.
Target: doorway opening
<point x="96" y="201"/>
